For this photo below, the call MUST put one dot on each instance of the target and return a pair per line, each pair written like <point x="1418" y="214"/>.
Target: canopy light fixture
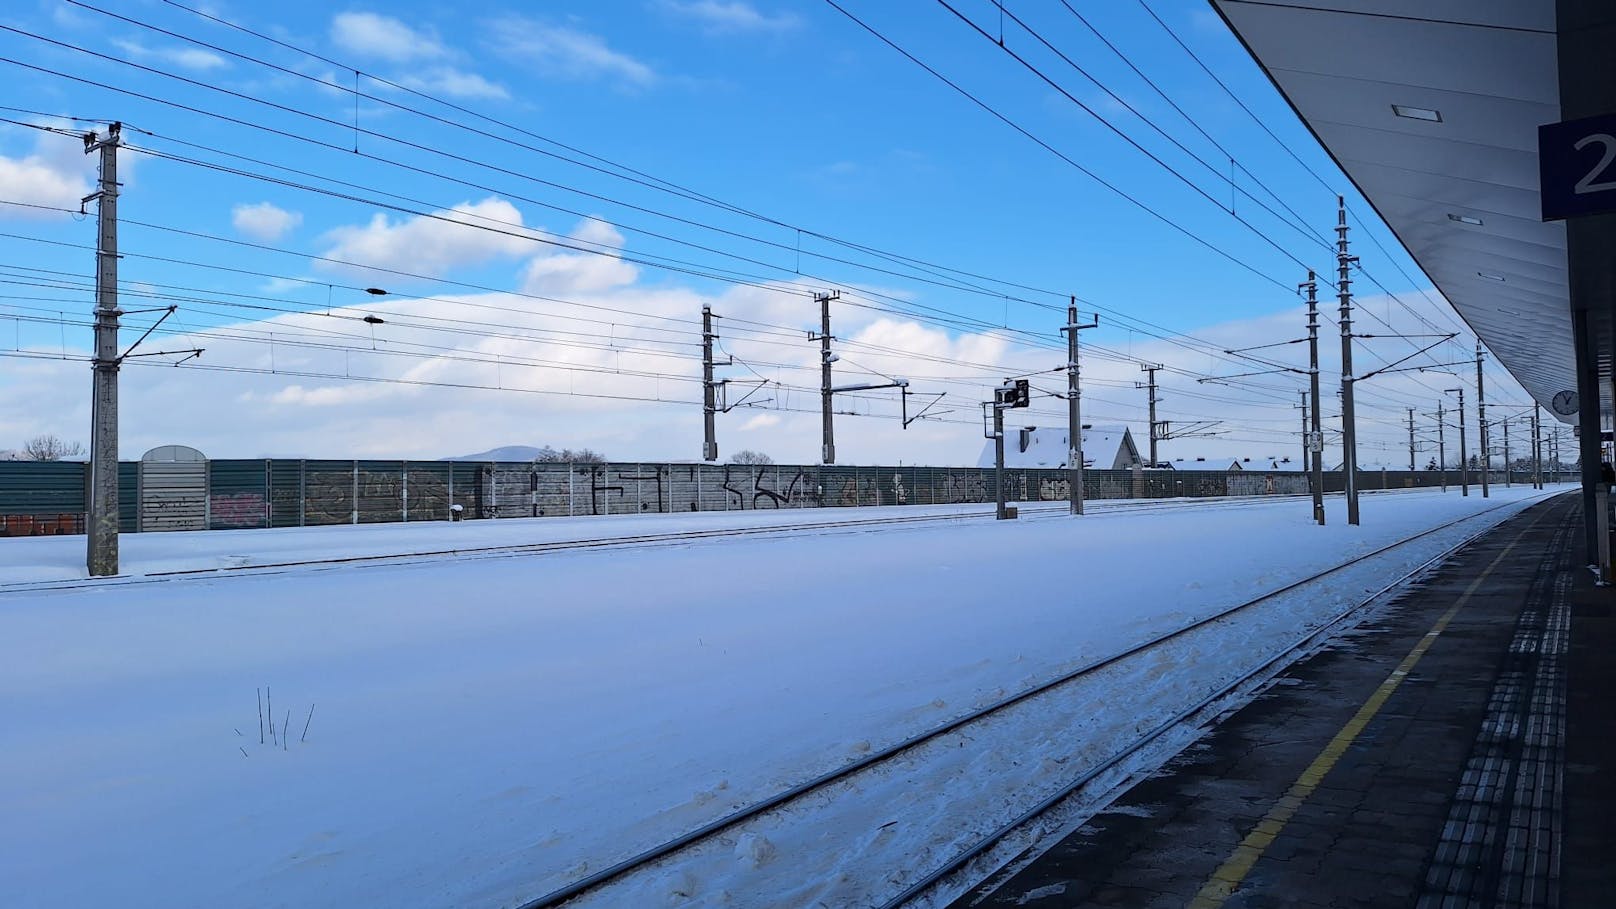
<point x="1489" y="276"/>
<point x="1464" y="219"/>
<point x="1417" y="113"/>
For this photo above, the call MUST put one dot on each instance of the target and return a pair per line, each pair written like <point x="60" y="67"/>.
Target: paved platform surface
<point x="1452" y="751"/>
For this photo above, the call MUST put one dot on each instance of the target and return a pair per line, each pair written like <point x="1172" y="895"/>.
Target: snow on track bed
<point x="488" y="731"/>
<point x="935" y="801"/>
<point x="41" y="564"/>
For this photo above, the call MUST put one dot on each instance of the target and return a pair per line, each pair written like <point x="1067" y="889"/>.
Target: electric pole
<point x="1315" y="442"/>
<point x="826" y="358"/>
<point x="1349" y="427"/>
<point x="1537" y="449"/>
<point x="1481" y="423"/>
<point x="709" y="402"/>
<point x="1074" y="410"/>
<point x="1305" y="424"/>
<point x="1509" y="469"/>
<point x="101" y="555"/>
<point x="1464" y="458"/>
<point x="1441" y="445"/>
<point x="1411" y="466"/>
<point x="1150" y="369"/>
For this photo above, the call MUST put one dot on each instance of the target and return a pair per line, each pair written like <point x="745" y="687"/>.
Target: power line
<point x="1056" y="152"/>
<point x="1052" y="83"/>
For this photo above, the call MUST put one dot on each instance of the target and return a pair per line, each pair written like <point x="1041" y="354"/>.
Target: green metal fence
<point x="49" y="497"/>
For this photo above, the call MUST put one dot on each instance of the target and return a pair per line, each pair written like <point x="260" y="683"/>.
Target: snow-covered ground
<point x="485" y="731"/>
<point x="48" y="559"/>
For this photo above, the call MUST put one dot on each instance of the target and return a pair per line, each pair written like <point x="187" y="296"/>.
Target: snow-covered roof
<point x="1263" y="465"/>
<point x="1274" y="465"/>
<point x="1104" y="447"/>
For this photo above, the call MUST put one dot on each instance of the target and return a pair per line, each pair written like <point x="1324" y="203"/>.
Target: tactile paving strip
<point x="1500" y="845"/>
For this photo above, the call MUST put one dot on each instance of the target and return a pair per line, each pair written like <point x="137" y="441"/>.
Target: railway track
<point x="1037" y="511"/>
<point x="907" y="753"/>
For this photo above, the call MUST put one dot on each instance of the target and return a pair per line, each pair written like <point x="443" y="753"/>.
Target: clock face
<point x="1565" y="403"/>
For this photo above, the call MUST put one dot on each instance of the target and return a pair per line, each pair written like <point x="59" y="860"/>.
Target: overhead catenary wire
<point x="1112" y="187"/>
<point x="1290" y="152"/>
<point x="849" y="302"/>
<point x="325" y="282"/>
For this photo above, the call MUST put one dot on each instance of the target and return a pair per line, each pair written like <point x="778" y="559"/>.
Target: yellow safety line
<point x="1232" y="872"/>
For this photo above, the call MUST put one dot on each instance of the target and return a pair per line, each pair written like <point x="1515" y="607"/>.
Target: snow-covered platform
<point x="481" y="729"/>
<point x="1455" y="751"/>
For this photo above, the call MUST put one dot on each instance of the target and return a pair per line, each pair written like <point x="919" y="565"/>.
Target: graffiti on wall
<point x="242" y="509"/>
<point x="638" y="476"/>
<point x="765" y="487"/>
<point x="964" y="488"/>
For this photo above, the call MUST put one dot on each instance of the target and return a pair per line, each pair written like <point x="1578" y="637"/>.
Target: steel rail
<point x="655" y="853"/>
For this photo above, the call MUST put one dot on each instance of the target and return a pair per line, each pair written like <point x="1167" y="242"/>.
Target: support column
<point x="827" y="453"/>
<point x="1074" y="400"/>
<point x="1481" y="424"/>
<point x="1349" y="419"/>
<point x="101" y="553"/>
<point x="1586" y="32"/>
<point x="1441" y="445"/>
<point x="1316" y="418"/>
<point x="709" y="404"/>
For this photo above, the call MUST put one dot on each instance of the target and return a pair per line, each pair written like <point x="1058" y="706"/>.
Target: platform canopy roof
<point x="1431" y="108"/>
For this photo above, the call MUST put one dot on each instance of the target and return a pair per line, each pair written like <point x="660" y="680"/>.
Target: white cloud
<point x="433" y="246"/>
<point x="566" y="53"/>
<point x="456" y="83"/>
<point x="335" y="395"/>
<point x="582" y="272"/>
<point x="384" y="38"/>
<point x="192" y="58"/>
<point x="732" y="16"/>
<point x="264" y="221"/>
<point x="57" y="173"/>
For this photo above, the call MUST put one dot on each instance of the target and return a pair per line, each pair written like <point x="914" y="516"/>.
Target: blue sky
<point x="790" y="111"/>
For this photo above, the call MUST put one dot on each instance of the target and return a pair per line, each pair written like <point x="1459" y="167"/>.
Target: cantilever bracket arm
<point x="757" y="386"/>
<point x="1241" y="375"/>
<point x="194" y="352"/>
<point x="168" y="311"/>
<point x="1391" y="367"/>
<point x="936" y="399"/>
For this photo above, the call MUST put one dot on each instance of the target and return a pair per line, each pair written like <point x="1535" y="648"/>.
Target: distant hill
<point x="502" y="453"/>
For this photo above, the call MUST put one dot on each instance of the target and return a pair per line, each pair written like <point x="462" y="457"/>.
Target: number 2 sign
<point x="1577" y="167"/>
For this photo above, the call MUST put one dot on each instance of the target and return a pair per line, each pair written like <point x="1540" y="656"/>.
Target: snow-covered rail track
<point x="925" y="784"/>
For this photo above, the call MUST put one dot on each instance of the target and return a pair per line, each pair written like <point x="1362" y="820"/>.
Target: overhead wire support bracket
<point x="936" y="398"/>
<point x="191" y="353"/>
<point x="1222" y="380"/>
<point x="1392" y="366"/>
<point x="166" y="312"/>
<point x="722" y="387"/>
<point x="1239" y="350"/>
<point x="1198" y="430"/>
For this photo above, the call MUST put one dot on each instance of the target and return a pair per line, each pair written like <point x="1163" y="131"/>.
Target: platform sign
<point x="1577" y="167"/>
